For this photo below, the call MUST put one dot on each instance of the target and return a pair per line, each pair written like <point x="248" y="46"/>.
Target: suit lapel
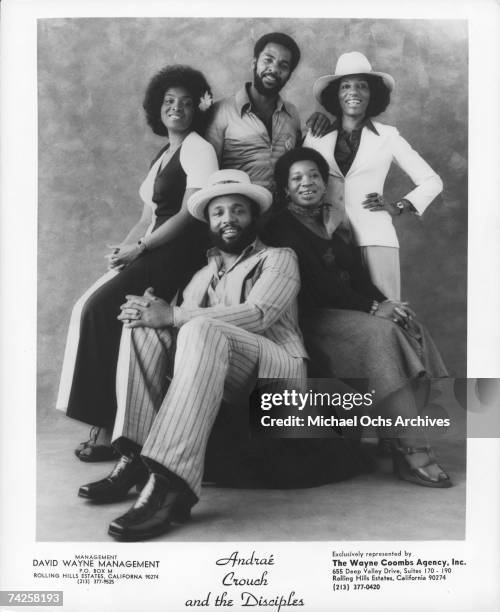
<point x="234" y="293"/>
<point x="198" y="288"/>
<point x="326" y="146"/>
<point x="369" y="144"/>
<point x="195" y="293"/>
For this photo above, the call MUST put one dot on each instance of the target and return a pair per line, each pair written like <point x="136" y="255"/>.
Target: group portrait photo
<point x="225" y="201"/>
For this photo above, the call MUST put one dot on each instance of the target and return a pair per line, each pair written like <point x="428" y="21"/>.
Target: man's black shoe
<point x="129" y="471"/>
<point x="158" y="505"/>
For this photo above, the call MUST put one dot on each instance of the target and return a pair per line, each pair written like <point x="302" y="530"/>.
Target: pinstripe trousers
<point x="213" y="360"/>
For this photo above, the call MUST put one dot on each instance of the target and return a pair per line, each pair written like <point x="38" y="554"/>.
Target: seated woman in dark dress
<point x="351" y="330"/>
<point x="163" y="250"/>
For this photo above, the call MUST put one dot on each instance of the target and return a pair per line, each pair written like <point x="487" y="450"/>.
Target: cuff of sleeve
<point x="411" y="207"/>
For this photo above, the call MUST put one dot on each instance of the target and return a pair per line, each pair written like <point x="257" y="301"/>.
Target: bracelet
<point x="374" y="308"/>
<point x="142" y="245"/>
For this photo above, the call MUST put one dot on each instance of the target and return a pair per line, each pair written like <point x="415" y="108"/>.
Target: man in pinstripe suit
<point x="238" y="322"/>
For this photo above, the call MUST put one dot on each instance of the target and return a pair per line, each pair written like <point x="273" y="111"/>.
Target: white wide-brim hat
<point x="347" y="64"/>
<point x="228" y="182"/>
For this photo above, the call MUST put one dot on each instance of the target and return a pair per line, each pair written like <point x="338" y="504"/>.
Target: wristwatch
<point x="402" y="204"/>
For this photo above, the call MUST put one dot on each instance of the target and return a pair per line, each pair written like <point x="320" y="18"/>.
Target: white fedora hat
<point x="228" y="182"/>
<point x="347" y="64"/>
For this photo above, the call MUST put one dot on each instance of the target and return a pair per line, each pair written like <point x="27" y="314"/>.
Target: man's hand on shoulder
<point x="318" y="124"/>
<point x="146" y="311"/>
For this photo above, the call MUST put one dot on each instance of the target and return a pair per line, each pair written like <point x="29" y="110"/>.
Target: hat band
<point x="225" y="182"/>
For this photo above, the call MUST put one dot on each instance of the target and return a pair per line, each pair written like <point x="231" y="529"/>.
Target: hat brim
<point x="322" y="83"/>
<point x="199" y="200"/>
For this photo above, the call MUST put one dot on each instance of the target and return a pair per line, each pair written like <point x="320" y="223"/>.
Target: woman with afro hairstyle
<point x="359" y="153"/>
<point x="162" y="251"/>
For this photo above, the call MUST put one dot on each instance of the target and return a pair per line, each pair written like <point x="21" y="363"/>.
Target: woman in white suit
<point x="360" y="152"/>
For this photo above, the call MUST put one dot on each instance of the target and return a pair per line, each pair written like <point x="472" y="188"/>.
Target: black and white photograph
<point x="375" y="214"/>
<point x="251" y="244"/>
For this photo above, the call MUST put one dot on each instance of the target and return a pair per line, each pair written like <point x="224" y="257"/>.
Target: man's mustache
<point x="227" y="226"/>
<point x="273" y="75"/>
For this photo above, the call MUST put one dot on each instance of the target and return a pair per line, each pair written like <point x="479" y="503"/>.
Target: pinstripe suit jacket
<point x="261" y="297"/>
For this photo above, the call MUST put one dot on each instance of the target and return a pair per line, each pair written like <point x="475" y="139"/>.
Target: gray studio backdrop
<point x="95" y="146"/>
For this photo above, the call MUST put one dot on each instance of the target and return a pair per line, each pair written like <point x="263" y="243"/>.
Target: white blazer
<point x="367" y="174"/>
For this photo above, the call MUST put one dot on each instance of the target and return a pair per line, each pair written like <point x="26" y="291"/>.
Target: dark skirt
<point x="366" y="352"/>
<point x="92" y="398"/>
<point x="369" y="350"/>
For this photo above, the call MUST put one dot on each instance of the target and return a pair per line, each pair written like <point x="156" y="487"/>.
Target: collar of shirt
<point x="244" y="104"/>
<point x="215" y="258"/>
<point x="337" y="125"/>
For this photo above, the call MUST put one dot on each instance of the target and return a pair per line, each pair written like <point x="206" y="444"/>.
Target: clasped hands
<point x="398" y="312"/>
<point x="150" y="311"/>
<point x="122" y="255"/>
<point x="375" y="202"/>
<point x="146" y="311"/>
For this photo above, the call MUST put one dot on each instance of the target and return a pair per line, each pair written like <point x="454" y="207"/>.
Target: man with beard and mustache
<point x="237" y="323"/>
<point x="252" y="129"/>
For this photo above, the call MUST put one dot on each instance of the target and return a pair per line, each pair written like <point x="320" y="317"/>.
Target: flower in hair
<point x="206" y="102"/>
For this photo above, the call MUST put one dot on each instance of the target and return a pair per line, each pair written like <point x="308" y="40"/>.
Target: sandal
<point x="94" y="432"/>
<point x="91" y="452"/>
<point x="99" y="452"/>
<point x="418" y="475"/>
